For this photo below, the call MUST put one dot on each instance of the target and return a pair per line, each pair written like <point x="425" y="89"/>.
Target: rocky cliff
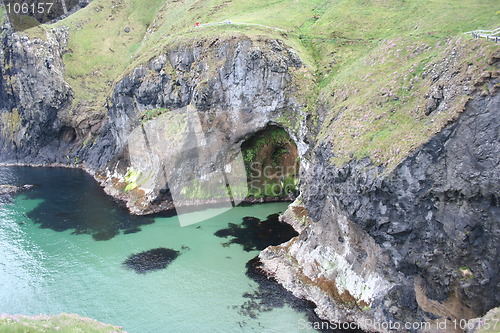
<point x="414" y="244"/>
<point x="34" y="98"/>
<point x="178" y="121"/>
<point x="191" y="107"/>
<point x="417" y="244"/>
<point x="413" y="240"/>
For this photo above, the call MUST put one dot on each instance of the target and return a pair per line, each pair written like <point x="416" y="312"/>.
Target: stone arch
<point x="272" y="164"/>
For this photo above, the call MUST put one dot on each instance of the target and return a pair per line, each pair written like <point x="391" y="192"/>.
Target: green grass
<point x="360" y="56"/>
<point x="275" y="137"/>
<point x="267" y="150"/>
<point x="63" y="323"/>
<point x="152" y="114"/>
<point x="381" y="98"/>
<point x="99" y="49"/>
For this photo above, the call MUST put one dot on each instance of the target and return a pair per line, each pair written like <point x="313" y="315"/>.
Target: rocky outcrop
<point x="34" y="98"/>
<point x="416" y="244"/>
<point x="186" y="111"/>
<point x="176" y="124"/>
<point x="11" y="189"/>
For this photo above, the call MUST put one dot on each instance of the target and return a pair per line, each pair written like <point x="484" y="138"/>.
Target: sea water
<point x="63" y="245"/>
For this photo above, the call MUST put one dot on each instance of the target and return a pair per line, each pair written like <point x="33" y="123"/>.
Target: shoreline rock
<point x="11" y="189"/>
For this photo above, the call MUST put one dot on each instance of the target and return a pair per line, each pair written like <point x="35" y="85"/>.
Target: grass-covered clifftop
<point x="62" y="323"/>
<point x="377" y="66"/>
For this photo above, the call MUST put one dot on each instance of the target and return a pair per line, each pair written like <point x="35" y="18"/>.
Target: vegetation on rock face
<point x="131" y="178"/>
<point x="100" y="48"/>
<point x="152" y="114"/>
<point x="10" y="122"/>
<point x="271" y="161"/>
<point x="63" y="323"/>
<point x="401" y="94"/>
<point x="371" y="61"/>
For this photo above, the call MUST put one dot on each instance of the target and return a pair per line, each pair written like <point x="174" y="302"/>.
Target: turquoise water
<point x="56" y="257"/>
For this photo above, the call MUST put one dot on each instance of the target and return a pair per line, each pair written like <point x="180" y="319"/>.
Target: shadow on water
<point x="255" y="234"/>
<point x="152" y="260"/>
<point x="73" y="200"/>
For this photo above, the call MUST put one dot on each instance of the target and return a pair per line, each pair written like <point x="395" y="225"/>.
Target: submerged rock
<point x="254" y="234"/>
<point x="151" y="260"/>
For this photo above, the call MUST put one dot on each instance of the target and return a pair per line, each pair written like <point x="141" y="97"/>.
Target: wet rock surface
<point x="11" y="189"/>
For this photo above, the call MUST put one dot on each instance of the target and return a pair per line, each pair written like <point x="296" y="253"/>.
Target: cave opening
<point x="272" y="164"/>
<point x="67" y="134"/>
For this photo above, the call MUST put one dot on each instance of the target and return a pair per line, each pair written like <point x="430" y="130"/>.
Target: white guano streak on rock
<point x="336" y="268"/>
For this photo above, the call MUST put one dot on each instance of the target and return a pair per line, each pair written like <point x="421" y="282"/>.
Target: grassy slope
<point x="100" y="49"/>
<point x="360" y="49"/>
<point x="62" y="323"/>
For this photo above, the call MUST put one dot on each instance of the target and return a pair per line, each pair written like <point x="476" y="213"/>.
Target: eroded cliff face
<point x="414" y="243"/>
<point x="34" y="98"/>
<point x="177" y="123"/>
<point x="174" y="124"/>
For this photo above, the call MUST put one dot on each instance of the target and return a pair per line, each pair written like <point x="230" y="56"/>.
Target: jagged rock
<point x="489" y="323"/>
<point x="374" y="233"/>
<point x="33" y="97"/>
<point x="201" y="113"/>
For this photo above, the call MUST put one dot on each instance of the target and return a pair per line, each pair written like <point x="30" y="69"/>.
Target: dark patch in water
<point x="152" y="260"/>
<point x="73" y="200"/>
<point x="270" y="294"/>
<point x="132" y="231"/>
<point x="104" y="235"/>
<point x="254" y="234"/>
